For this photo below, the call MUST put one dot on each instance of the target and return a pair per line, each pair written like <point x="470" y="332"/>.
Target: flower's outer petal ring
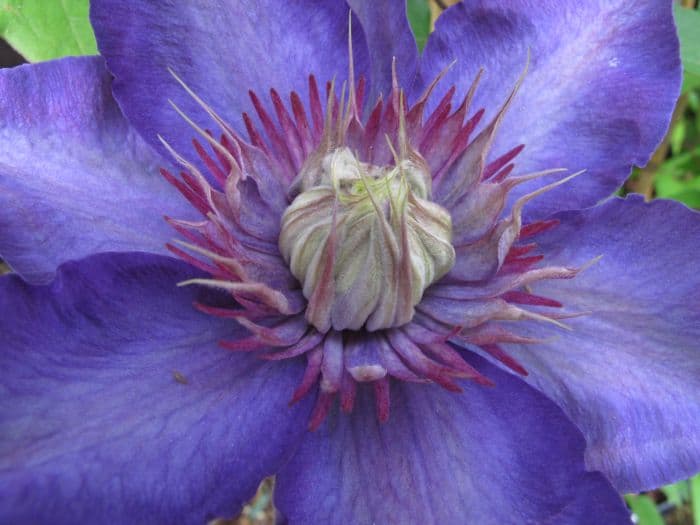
<point x="75" y="178"/>
<point x="602" y="82"/>
<point x="489" y="455"/>
<point x="629" y="373"/>
<point x="389" y="35"/>
<point x="117" y="405"/>
<point x="221" y="49"/>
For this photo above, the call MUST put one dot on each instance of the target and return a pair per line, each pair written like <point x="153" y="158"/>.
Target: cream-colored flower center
<point x="365" y="241"/>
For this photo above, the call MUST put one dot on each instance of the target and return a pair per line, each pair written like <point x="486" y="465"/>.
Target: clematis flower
<point x="397" y="282"/>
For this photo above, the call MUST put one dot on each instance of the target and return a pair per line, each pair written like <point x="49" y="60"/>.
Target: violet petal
<point x="389" y="37"/>
<point x="75" y="177"/>
<point x="602" y="82"/>
<point x="118" y="406"/>
<point x="490" y="455"/>
<point x="628" y="374"/>
<point x="221" y="50"/>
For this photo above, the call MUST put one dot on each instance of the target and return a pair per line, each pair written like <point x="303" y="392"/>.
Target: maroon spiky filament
<point x="250" y="183"/>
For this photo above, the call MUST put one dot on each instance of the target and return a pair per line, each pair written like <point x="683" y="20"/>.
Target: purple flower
<point x="467" y="332"/>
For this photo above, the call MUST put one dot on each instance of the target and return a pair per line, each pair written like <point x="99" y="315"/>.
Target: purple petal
<point x="389" y="36"/>
<point x="117" y="405"/>
<point x="74" y="177"/>
<point x="221" y="49"/>
<point x="602" y="82"/>
<point x="629" y="373"/>
<point x="490" y="455"/>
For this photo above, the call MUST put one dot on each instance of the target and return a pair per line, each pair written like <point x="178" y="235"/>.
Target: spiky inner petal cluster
<point x="365" y="243"/>
<point x="251" y="183"/>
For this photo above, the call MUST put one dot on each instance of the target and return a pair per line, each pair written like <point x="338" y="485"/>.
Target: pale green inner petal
<point x="386" y="240"/>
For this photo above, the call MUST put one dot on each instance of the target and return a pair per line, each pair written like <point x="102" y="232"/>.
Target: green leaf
<point x="690" y="82"/>
<point x="645" y="509"/>
<point x="677" y="136"/>
<point x="677" y="492"/>
<point x="695" y="498"/>
<point x="46" y="29"/>
<point x="419" y="17"/>
<point x="678" y="179"/>
<point x="688" y="22"/>
<point x="694" y="100"/>
<point x="690" y="198"/>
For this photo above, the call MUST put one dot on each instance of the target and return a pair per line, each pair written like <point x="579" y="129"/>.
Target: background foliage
<point x="46" y="29"/>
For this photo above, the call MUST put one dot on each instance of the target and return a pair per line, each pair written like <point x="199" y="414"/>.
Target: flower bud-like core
<point x="397" y="226"/>
<point x="365" y="241"/>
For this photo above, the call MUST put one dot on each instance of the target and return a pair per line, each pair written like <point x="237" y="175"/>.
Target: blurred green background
<point x="35" y="30"/>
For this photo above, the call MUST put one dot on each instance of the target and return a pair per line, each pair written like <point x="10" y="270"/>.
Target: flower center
<point x="395" y="224"/>
<point x="364" y="241"/>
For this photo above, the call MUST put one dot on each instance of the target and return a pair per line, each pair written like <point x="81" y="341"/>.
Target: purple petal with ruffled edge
<point x="389" y="36"/>
<point x="74" y="177"/>
<point x="629" y="373"/>
<point x="117" y="405"/>
<point x="221" y="50"/>
<point x="490" y="455"/>
<point x="602" y="83"/>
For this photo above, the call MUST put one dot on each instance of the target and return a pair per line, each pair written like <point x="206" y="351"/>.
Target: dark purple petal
<point x="389" y="36"/>
<point x="629" y="373"/>
<point x="74" y="177"/>
<point x="602" y="82"/>
<point x="490" y="455"/>
<point x="117" y="405"/>
<point x="221" y="49"/>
